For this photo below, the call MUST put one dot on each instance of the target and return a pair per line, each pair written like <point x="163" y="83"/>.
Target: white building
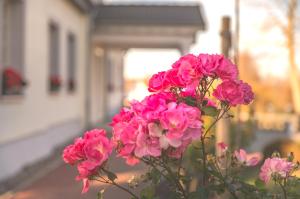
<point x="82" y="45"/>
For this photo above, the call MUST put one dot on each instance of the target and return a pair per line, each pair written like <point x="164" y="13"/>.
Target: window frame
<point x="71" y="61"/>
<point x="54" y="50"/>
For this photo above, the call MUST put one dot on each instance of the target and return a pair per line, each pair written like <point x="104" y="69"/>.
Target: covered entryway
<point x="121" y="27"/>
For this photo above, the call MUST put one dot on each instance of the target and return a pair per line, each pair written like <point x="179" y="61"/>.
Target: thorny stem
<point x="171" y="179"/>
<point x="204" y="160"/>
<point x="112" y="182"/>
<point x="219" y="116"/>
<point x="176" y="180"/>
<point x="222" y="178"/>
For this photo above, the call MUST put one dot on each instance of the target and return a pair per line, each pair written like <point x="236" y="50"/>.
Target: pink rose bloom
<point x="125" y="115"/>
<point x="152" y="106"/>
<point x="187" y="73"/>
<point x="247" y="92"/>
<point x="226" y="70"/>
<point x="147" y="145"/>
<point x="208" y="64"/>
<point x="90" y="152"/>
<point x="74" y="152"/>
<point x="174" y="120"/>
<point x="234" y="92"/>
<point x="158" y="82"/>
<point x="97" y="146"/>
<point x="276" y="166"/>
<point x="246" y="159"/>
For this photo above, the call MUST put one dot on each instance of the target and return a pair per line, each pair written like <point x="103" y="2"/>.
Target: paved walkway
<point x="60" y="184"/>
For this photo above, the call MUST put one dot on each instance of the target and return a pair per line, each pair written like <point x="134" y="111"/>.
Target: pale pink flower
<point x="174" y="120"/>
<point x="275" y="166"/>
<point x="246" y="159"/>
<point x="147" y="145"/>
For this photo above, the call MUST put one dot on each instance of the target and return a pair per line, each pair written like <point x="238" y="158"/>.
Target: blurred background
<point x="69" y="65"/>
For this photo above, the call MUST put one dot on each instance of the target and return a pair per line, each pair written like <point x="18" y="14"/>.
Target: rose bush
<point x="158" y="130"/>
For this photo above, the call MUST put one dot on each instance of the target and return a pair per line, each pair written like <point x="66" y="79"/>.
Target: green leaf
<point x="100" y="194"/>
<point x="259" y="184"/>
<point x="210" y="111"/>
<point x="112" y="176"/>
<point x="155" y="176"/>
<point x="148" y="193"/>
<point x="190" y="101"/>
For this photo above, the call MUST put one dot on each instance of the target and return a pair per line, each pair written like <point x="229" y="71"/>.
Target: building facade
<point x="61" y="64"/>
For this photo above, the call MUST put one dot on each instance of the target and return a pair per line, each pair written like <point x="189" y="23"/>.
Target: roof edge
<point x="83" y="5"/>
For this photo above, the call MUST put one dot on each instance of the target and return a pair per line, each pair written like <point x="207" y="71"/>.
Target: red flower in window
<point x="55" y="83"/>
<point x="12" y="81"/>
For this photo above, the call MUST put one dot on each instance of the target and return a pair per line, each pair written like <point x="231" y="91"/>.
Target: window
<point x="12" y="52"/>
<point x="71" y="62"/>
<point x="54" y="59"/>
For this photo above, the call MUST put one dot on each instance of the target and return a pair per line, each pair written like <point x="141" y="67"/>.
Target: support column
<point x="185" y="48"/>
<point x="222" y="128"/>
<point x="115" y="80"/>
<point x="1" y="40"/>
<point x="1" y="30"/>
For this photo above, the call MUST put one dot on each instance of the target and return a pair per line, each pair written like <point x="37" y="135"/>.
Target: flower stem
<point x="112" y="182"/>
<point x="204" y="160"/>
<point x="283" y="190"/>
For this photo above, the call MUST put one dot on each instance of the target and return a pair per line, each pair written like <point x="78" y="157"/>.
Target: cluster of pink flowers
<point x="189" y="70"/>
<point x="89" y="153"/>
<point x="155" y="124"/>
<point x="275" y="166"/>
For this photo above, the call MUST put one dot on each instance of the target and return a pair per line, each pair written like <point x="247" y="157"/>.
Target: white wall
<point x="37" y="110"/>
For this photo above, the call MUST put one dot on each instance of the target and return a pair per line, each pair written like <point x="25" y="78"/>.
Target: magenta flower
<point x="275" y="166"/>
<point x="234" y="92"/>
<point x="158" y="82"/>
<point x="208" y="64"/>
<point x="90" y="152"/>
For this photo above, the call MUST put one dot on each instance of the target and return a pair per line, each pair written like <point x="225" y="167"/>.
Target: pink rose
<point x="90" y="152"/>
<point x="208" y="64"/>
<point x="226" y="70"/>
<point x="74" y="152"/>
<point x="277" y="166"/>
<point x="158" y="82"/>
<point x="147" y="145"/>
<point x="247" y="92"/>
<point x="234" y="92"/>
<point x="184" y="72"/>
<point x="174" y="120"/>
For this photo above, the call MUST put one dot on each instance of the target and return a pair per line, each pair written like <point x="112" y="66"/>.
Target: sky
<point x="264" y="43"/>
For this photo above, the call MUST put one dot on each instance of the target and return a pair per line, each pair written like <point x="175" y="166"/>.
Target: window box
<point x="55" y="83"/>
<point x="12" y="82"/>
